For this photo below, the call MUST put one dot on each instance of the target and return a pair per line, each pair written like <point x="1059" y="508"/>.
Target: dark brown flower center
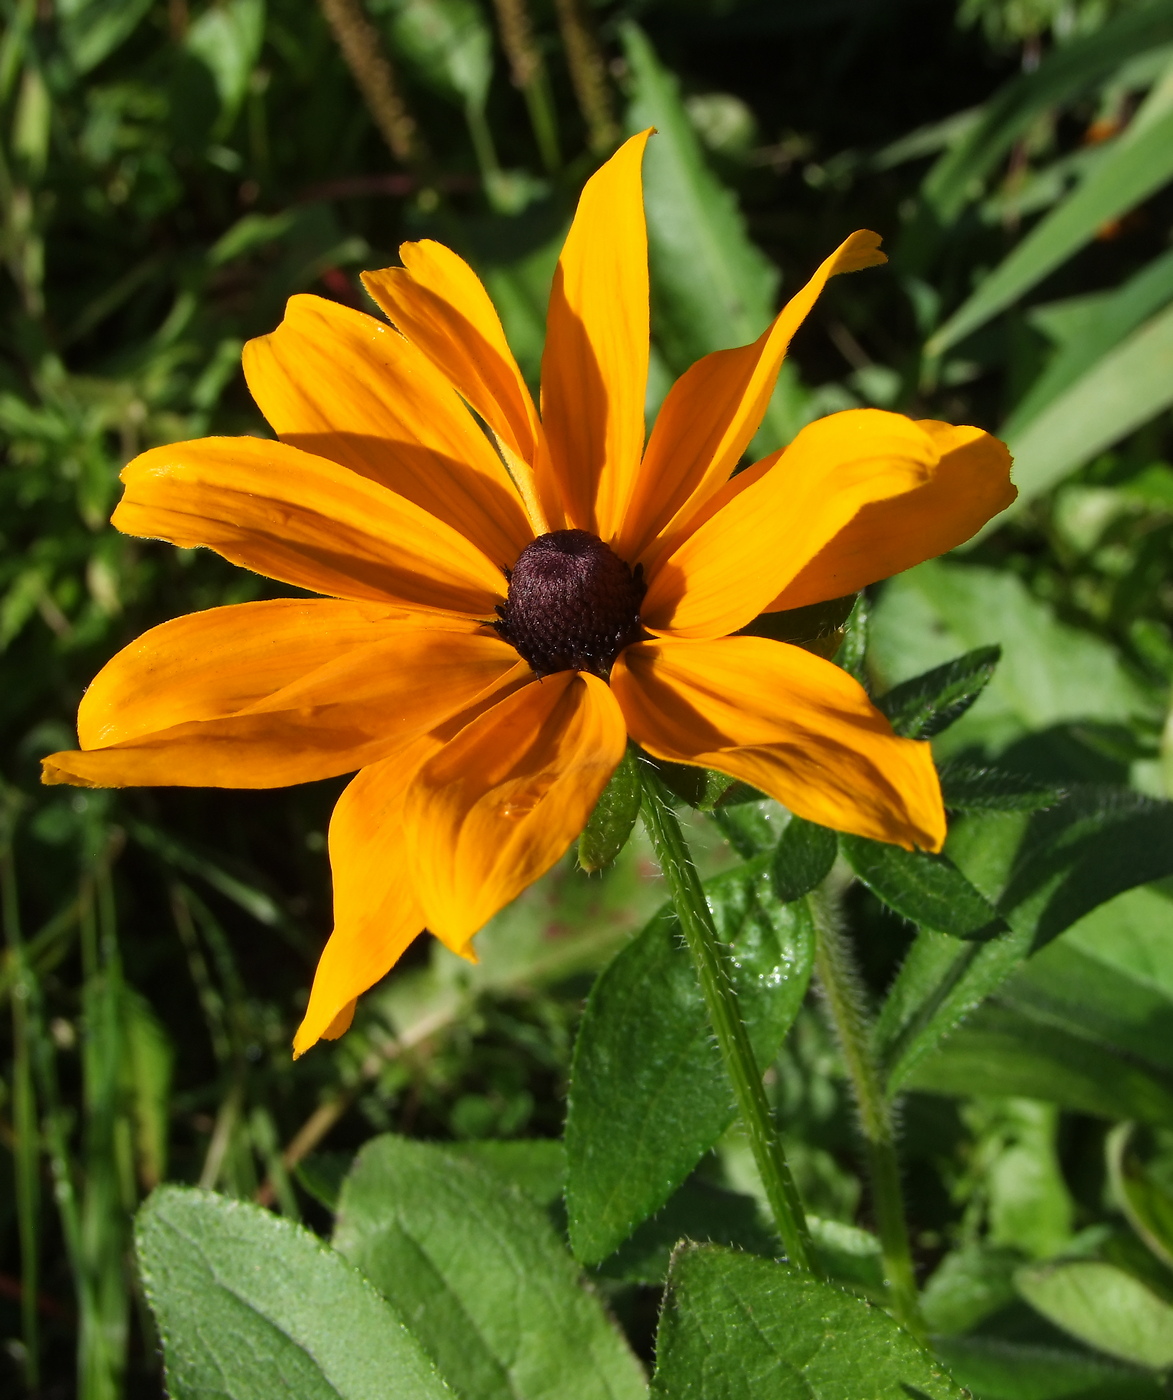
<point x="573" y="604"/>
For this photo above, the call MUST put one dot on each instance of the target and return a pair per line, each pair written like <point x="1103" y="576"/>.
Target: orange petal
<point x="787" y="722"/>
<point x="360" y="707"/>
<point x="595" y="364"/>
<point x="306" y="521"/>
<point x="209" y="665"/>
<point x="499" y="804"/>
<point x="731" y="567"/>
<point x="969" y="485"/>
<point x="376" y="913"/>
<point x="441" y="306"/>
<point x="349" y="388"/>
<point x="713" y="410"/>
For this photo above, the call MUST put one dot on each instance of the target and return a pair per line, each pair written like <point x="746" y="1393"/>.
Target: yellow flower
<point x="458" y="575"/>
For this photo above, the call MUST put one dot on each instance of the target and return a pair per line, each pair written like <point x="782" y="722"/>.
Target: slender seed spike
<point x="573" y="604"/>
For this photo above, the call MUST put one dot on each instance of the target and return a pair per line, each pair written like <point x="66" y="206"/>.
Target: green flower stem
<point x="710" y="959"/>
<point x="835" y="969"/>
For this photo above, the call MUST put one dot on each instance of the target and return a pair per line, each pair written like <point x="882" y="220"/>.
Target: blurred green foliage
<point x="169" y="175"/>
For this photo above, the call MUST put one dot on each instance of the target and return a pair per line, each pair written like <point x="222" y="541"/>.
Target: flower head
<point x="499" y="616"/>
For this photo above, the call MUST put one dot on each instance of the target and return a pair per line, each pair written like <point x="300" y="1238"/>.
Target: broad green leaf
<point x="735" y="1327"/>
<point x="1128" y="387"/>
<point x="1049" y="674"/>
<point x="1067" y="72"/>
<point x="1146" y="1202"/>
<point x="1138" y="168"/>
<point x="648" y="1092"/>
<point x="227" y="38"/>
<point x="611" y="823"/>
<point x="966" y="788"/>
<point x="969" y="1285"/>
<point x="92" y="29"/>
<point x="929" y="890"/>
<point x="712" y="288"/>
<point x="476" y="1266"/>
<point x="925" y="705"/>
<point x="1103" y="1307"/>
<point x="250" y="1306"/>
<point x="536" y="1166"/>
<point x="1085" y="329"/>
<point x="447" y="41"/>
<point x="1043" y="872"/>
<point x="994" y="1369"/>
<point x="803" y="858"/>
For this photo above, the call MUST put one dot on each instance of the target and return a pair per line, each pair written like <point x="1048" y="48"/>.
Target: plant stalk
<point x="711" y="962"/>
<point x="836" y="971"/>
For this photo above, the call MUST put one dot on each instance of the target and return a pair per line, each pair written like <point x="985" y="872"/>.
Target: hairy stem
<point x="711" y="961"/>
<point x="836" y="971"/>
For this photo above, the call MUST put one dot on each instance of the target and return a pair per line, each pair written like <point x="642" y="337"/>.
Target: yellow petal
<point x="353" y="710"/>
<point x="376" y="913"/>
<point x="295" y="517"/>
<point x="789" y="723"/>
<point x="441" y="306"/>
<point x="714" y="409"/>
<point x="595" y="364"/>
<point x="733" y="565"/>
<point x="209" y="665"/>
<point x="349" y="388"/>
<point x="499" y="804"/>
<point x="968" y="485"/>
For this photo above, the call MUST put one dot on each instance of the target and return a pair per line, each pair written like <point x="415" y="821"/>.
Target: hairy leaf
<point x="929" y="703"/>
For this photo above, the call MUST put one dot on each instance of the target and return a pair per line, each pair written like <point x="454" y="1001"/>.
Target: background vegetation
<point x="170" y="174"/>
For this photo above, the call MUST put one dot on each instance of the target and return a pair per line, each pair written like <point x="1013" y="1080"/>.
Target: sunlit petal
<point x="712" y="412"/>
<point x="595" y="364"/>
<point x="349" y="388"/>
<point x="306" y="521"/>
<point x="499" y="804"/>
<point x="789" y="723"/>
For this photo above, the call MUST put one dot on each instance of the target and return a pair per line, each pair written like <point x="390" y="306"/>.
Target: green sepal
<point x="929" y="890"/>
<point x="611" y="823"/>
<point x="929" y="703"/>
<point x="802" y="859"/>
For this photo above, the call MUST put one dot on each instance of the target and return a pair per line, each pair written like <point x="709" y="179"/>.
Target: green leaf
<point x="735" y="1327"/>
<point x="966" y="788"/>
<point x="712" y="288"/>
<point x="1049" y="674"/>
<point x="1043" y="872"/>
<point x="1067" y="72"/>
<point x="1104" y="1307"/>
<point x="536" y="1166"/>
<point x="929" y="703"/>
<point x="611" y="823"/>
<point x="251" y="1306"/>
<point x="1127" y="388"/>
<point x="447" y="41"/>
<point x="648" y="1093"/>
<point x="92" y="29"/>
<point x="803" y="858"/>
<point x="227" y="39"/>
<point x="1146" y="1203"/>
<point x="475" y="1264"/>
<point x="995" y="1369"/>
<point x="927" y="889"/>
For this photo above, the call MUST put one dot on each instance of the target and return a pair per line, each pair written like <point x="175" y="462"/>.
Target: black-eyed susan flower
<point x="501" y="610"/>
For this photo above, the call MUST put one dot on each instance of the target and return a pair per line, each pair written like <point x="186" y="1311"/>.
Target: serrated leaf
<point x="928" y="890"/>
<point x="927" y="704"/>
<point x="966" y="788"/>
<point x="648" y="1092"/>
<point x="490" y="1290"/>
<point x="803" y="858"/>
<point x="251" y="1306"/>
<point x="735" y="1327"/>
<point x="614" y="816"/>
<point x="1103" y="1307"/>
